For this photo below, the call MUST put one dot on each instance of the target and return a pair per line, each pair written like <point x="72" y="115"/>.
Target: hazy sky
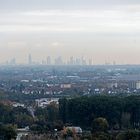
<point x="104" y="30"/>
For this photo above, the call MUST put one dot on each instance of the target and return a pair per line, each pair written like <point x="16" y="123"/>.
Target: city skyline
<point x="59" y="60"/>
<point x="106" y="31"/>
<point x="49" y="60"/>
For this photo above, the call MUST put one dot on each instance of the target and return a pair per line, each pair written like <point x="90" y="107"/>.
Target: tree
<point x="53" y="113"/>
<point x="99" y="129"/>
<point x="63" y="109"/>
<point x="128" y="135"/>
<point x="125" y="120"/>
<point x="7" y="132"/>
<point x="100" y="125"/>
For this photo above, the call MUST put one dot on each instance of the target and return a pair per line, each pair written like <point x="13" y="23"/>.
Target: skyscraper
<point x="29" y="59"/>
<point x="59" y="61"/>
<point x="83" y="61"/>
<point x="12" y="61"/>
<point x="90" y="62"/>
<point x="48" y="60"/>
<point x="71" y="60"/>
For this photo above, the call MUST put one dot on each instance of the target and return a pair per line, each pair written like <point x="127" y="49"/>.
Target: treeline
<point x="46" y="119"/>
<point x="12" y="118"/>
<point x="121" y="113"/>
<point x="15" y="116"/>
<point x="7" y="132"/>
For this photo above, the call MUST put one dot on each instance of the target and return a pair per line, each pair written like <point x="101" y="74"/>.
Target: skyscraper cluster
<point x="60" y="61"/>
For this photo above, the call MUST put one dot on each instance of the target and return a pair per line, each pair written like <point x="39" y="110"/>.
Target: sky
<point x="101" y="30"/>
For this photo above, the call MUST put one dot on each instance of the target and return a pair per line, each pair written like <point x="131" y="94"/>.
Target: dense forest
<point x="121" y="112"/>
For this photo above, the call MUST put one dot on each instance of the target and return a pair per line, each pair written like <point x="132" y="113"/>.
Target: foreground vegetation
<point x="121" y="112"/>
<point x="106" y="117"/>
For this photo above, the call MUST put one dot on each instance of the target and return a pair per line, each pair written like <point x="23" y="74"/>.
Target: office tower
<point x="48" y="60"/>
<point x="43" y="62"/>
<point x="90" y="62"/>
<point x="114" y="63"/>
<point x="59" y="61"/>
<point x="78" y="61"/>
<point x="13" y="61"/>
<point x="71" y="60"/>
<point x="83" y="61"/>
<point x="29" y="59"/>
